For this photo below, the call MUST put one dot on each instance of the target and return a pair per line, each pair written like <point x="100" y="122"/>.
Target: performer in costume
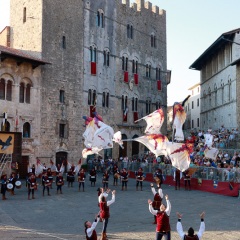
<point x="105" y="179"/>
<point x="4" y="186"/>
<point x="90" y="231"/>
<point x="158" y="177"/>
<point x="45" y="182"/>
<point x="12" y="180"/>
<point x="81" y="179"/>
<point x="157" y="201"/>
<point x="177" y="177"/>
<point x="163" y="224"/>
<point x="187" y="180"/>
<point x="59" y="182"/>
<point x="124" y="177"/>
<point x="93" y="177"/>
<point x="191" y="235"/>
<point x="70" y="176"/>
<point x="105" y="213"/>
<point x="116" y="175"/>
<point x="139" y="178"/>
<point x="50" y="177"/>
<point x="32" y="185"/>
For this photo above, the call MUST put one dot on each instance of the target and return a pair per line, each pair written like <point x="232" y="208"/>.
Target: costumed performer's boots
<point x="33" y="196"/>
<point x="29" y="197"/>
<point x="4" y="198"/>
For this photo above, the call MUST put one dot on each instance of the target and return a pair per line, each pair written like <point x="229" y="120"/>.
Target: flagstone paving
<point x="62" y="216"/>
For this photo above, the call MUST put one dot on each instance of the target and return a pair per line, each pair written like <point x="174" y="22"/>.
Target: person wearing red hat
<point x="157" y="201"/>
<point x="139" y="178"/>
<point x="4" y="186"/>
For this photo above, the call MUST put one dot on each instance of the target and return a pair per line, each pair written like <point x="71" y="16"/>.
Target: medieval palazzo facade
<point x="99" y="56"/>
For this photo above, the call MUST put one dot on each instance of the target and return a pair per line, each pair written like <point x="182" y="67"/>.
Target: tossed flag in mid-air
<point x="179" y="154"/>
<point x="179" y="117"/>
<point x="90" y="151"/>
<point x="154" y="121"/>
<point x="156" y="143"/>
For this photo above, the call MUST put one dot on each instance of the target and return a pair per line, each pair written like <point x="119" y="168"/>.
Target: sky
<point x="192" y="26"/>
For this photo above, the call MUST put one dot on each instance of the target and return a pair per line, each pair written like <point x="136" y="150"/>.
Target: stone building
<point x="104" y="56"/>
<point x="219" y="82"/>
<point x="192" y="109"/>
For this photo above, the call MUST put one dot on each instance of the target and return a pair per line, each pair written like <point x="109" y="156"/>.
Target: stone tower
<point x="105" y="56"/>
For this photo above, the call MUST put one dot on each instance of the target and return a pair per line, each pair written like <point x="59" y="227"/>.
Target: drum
<point x="116" y="175"/>
<point x="18" y="184"/>
<point x="9" y="187"/>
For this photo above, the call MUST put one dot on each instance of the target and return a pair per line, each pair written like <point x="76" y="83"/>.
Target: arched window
<point x="9" y="91"/>
<point x="148" y="106"/>
<point x="2" y="89"/>
<point x="130" y="31"/>
<point x="21" y="93"/>
<point x="148" y="70"/>
<point x="28" y="91"/>
<point x="125" y="63"/>
<point x="26" y="130"/>
<point x="100" y="18"/>
<point x="106" y="56"/>
<point x="94" y="98"/>
<point x="89" y="96"/>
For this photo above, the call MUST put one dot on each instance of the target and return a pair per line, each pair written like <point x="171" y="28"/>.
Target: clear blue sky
<point x="192" y="26"/>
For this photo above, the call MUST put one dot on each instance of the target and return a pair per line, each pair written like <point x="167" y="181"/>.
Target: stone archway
<point x="135" y="147"/>
<point x="123" y="152"/>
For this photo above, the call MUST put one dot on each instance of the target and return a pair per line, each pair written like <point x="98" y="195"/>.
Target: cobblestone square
<point x="61" y="216"/>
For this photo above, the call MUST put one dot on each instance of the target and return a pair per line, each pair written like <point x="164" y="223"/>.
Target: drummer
<point x="12" y="180"/>
<point x="70" y="176"/>
<point x="32" y="185"/>
<point x="50" y="176"/>
<point x="4" y="186"/>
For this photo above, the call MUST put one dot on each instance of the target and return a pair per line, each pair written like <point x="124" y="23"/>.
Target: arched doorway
<point x="123" y="152"/>
<point x="61" y="158"/>
<point x="135" y="147"/>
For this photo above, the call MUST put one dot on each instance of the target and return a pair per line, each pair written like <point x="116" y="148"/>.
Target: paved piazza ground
<point x="62" y="216"/>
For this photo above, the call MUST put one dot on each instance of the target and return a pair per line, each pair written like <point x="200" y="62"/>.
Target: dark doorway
<point x="23" y="167"/>
<point x="123" y="152"/>
<point x="61" y="158"/>
<point x="135" y="147"/>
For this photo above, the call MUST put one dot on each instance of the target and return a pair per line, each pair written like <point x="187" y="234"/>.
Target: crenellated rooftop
<point x="138" y="5"/>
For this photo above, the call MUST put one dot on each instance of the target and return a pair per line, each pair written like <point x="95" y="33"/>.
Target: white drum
<point x="9" y="187"/>
<point x="18" y="184"/>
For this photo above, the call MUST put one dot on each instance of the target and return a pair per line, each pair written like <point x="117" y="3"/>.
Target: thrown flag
<point x="154" y="121"/>
<point x="179" y="154"/>
<point x="179" y="117"/>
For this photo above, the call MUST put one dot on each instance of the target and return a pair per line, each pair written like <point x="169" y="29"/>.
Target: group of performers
<point x="9" y="184"/>
<point x="103" y="215"/>
<point x="161" y="213"/>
